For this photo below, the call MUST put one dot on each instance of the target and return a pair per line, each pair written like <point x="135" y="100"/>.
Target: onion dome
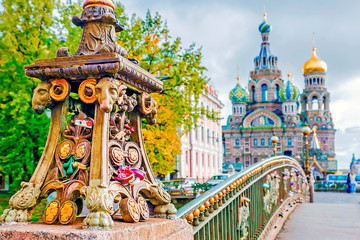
<point x="238" y="94"/>
<point x="314" y="64"/>
<point x="289" y="91"/>
<point x="265" y="27"/>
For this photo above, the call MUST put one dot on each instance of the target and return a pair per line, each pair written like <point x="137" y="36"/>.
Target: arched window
<point x="310" y="81"/>
<point x="262" y="142"/>
<point x="234" y="110"/>
<point x="264" y="91"/>
<point x="264" y="61"/>
<point x="292" y="108"/>
<point x="289" y="141"/>
<point x="285" y="108"/>
<point x="255" y="142"/>
<point x="240" y="110"/>
<point x="315" y="103"/>
<point x="253" y="93"/>
<point x="276" y="92"/>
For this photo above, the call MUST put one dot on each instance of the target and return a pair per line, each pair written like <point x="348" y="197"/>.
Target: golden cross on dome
<point x="265" y="12"/>
<point x="238" y="78"/>
<point x="313" y="41"/>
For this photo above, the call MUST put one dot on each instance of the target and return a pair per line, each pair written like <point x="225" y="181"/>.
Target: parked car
<point x="180" y="186"/>
<point x="216" y="179"/>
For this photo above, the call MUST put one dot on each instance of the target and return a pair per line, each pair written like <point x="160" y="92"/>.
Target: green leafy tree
<point x="25" y="35"/>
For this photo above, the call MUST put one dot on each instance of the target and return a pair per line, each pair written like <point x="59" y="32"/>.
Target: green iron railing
<point x="245" y="205"/>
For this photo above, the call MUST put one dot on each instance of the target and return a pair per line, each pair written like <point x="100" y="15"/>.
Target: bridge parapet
<point x="248" y="204"/>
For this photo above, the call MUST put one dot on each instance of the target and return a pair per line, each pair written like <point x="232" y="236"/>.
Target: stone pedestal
<point x="154" y="228"/>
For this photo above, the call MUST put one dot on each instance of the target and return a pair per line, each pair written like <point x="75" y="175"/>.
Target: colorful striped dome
<point x="265" y="27"/>
<point x="289" y="91"/>
<point x="238" y="94"/>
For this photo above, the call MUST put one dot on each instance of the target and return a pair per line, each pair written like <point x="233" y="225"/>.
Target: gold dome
<point x="314" y="64"/>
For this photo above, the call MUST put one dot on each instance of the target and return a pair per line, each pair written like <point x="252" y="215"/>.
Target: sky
<point x="228" y="33"/>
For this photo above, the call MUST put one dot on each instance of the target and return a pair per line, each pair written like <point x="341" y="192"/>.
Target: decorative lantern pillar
<point x="98" y="155"/>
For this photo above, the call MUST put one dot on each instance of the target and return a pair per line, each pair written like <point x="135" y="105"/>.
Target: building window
<point x="237" y="160"/>
<point x="276" y="92"/>
<point x="197" y="159"/>
<point x="278" y="144"/>
<point x="202" y="134"/>
<point x="240" y="109"/>
<point x="264" y="91"/>
<point x="247" y="163"/>
<point x="246" y="149"/>
<point x="246" y="139"/>
<point x="213" y="137"/>
<point x="196" y="133"/>
<point x="315" y="103"/>
<point x="208" y="160"/>
<point x="187" y="157"/>
<point x="289" y="141"/>
<point x="255" y="142"/>
<point x="262" y="142"/>
<point x="255" y="160"/>
<point x="269" y="141"/>
<point x="208" y="135"/>
<point x="214" y="162"/>
<point x="253" y="93"/>
<point x="278" y="150"/>
<point x="237" y="142"/>
<point x="203" y="161"/>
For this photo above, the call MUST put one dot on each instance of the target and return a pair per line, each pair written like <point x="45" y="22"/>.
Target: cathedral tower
<point x="315" y="104"/>
<point x="264" y="86"/>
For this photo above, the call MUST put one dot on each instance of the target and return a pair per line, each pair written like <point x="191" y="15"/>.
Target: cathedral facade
<point x="271" y="105"/>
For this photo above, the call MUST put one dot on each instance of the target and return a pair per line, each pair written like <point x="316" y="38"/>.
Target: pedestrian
<point x="351" y="183"/>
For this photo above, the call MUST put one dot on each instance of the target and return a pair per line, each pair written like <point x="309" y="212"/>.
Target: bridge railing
<point x="246" y="205"/>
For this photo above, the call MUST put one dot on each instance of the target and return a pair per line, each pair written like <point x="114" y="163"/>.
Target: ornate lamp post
<point x="274" y="140"/>
<point x="99" y="154"/>
<point x="306" y="131"/>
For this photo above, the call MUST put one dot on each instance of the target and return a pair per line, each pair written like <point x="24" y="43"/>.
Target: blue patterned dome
<point x="238" y="94"/>
<point x="265" y="27"/>
<point x="289" y="91"/>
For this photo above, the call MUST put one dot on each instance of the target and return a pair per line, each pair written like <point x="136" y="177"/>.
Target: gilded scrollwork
<point x="147" y="106"/>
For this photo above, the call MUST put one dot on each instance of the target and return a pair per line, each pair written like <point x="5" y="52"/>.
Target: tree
<point x="25" y="35"/>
